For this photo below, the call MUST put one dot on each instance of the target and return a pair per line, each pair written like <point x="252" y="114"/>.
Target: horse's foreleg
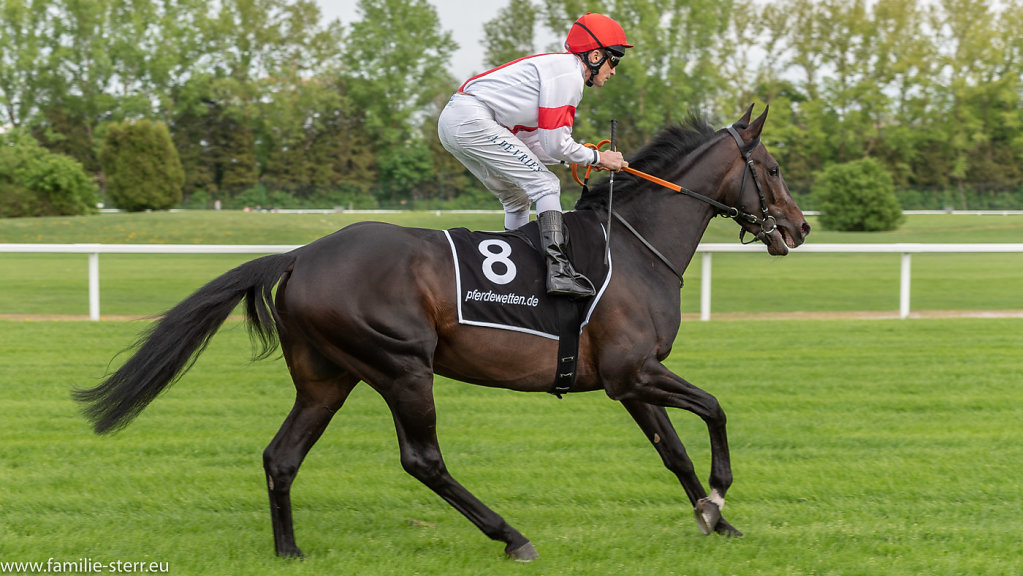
<point x="654" y="422"/>
<point x="659" y="386"/>
<point x="314" y="407"/>
<point x="415" y="420"/>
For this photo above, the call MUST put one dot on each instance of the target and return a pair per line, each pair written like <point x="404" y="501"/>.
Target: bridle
<point x="766" y="222"/>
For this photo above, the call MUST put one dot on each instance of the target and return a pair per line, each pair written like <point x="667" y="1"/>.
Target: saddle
<point x="500" y="279"/>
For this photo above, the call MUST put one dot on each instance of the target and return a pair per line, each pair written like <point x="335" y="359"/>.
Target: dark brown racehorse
<point x="375" y="303"/>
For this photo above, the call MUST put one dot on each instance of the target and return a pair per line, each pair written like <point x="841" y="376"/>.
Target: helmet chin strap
<point x="594" y="68"/>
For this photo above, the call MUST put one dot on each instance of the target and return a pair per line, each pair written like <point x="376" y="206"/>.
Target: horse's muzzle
<point x="785" y="236"/>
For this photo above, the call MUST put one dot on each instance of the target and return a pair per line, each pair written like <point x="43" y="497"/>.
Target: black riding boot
<point x="562" y="279"/>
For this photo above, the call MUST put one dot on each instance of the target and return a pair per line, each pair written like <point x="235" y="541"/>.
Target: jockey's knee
<point x="515" y="203"/>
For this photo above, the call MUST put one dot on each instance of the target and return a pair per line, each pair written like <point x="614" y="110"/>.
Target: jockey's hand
<point x="611" y="161"/>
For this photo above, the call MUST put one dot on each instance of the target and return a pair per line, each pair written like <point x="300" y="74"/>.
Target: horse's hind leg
<point x="316" y="401"/>
<point x="415" y="420"/>
<point x="654" y="422"/>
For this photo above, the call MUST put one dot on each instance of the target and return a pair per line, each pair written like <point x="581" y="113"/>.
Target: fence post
<point x="705" y="287"/>
<point x="94" y="286"/>
<point x="904" y="287"/>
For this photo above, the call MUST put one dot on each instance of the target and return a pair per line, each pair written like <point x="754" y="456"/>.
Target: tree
<point x="79" y="87"/>
<point x="903" y="66"/>
<point x="76" y="65"/>
<point x="263" y="100"/>
<point x="141" y="166"/>
<point x="310" y="136"/>
<point x="23" y="29"/>
<point x="510" y="34"/>
<point x="399" y="56"/>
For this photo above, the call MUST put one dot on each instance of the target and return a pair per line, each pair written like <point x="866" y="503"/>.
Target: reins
<point x="649" y="247"/>
<point x="767" y="222"/>
<point x="723" y="209"/>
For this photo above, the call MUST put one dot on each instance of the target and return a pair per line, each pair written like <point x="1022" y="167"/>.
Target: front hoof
<point x="524" y="553"/>
<point x="708" y="514"/>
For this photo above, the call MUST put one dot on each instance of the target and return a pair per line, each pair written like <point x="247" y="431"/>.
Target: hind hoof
<point x="524" y="553"/>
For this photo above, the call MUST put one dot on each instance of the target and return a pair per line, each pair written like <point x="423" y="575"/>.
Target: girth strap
<point x="570" y="316"/>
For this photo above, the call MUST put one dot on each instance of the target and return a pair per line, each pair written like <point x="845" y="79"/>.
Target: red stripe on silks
<point x="462" y="87"/>
<point x="554" y="118"/>
<point x="549" y="119"/>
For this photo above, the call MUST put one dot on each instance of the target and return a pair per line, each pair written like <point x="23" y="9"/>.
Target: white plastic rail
<point x="94" y="250"/>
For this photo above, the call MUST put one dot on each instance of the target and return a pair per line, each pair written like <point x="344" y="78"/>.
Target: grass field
<point x="743" y="283"/>
<point x="859" y="447"/>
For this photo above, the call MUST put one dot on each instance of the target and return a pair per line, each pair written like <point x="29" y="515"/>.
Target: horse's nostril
<point x="805" y="229"/>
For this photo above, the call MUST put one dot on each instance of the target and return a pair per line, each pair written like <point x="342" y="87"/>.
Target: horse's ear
<point x="746" y="117"/>
<point x="757" y="125"/>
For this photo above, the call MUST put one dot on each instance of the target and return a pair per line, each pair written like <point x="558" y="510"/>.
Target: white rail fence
<point x="706" y="250"/>
<point x="907" y="250"/>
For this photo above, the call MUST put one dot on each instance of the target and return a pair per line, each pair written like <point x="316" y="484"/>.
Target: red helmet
<point x="594" y="31"/>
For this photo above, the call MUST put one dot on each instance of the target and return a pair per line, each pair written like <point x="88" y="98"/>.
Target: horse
<point x="341" y="318"/>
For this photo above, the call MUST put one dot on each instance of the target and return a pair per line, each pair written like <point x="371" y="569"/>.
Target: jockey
<point x="506" y="124"/>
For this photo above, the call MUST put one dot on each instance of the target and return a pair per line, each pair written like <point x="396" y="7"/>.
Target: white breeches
<point x="498" y="158"/>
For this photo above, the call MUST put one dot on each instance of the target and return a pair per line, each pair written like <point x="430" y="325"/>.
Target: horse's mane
<point x="656" y="157"/>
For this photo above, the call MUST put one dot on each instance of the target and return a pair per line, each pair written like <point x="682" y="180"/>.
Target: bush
<point x="856" y="196"/>
<point x="141" y="165"/>
<point x="37" y="182"/>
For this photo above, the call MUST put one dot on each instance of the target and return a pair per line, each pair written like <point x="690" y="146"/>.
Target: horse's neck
<point x="672" y="223"/>
<point x="675" y="223"/>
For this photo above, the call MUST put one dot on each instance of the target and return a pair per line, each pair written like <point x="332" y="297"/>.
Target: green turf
<point x="859" y="447"/>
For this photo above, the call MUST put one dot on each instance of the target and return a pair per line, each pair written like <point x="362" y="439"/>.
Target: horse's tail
<point x="165" y="351"/>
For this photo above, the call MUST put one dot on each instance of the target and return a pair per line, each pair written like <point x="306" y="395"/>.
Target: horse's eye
<point x="773" y="171"/>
